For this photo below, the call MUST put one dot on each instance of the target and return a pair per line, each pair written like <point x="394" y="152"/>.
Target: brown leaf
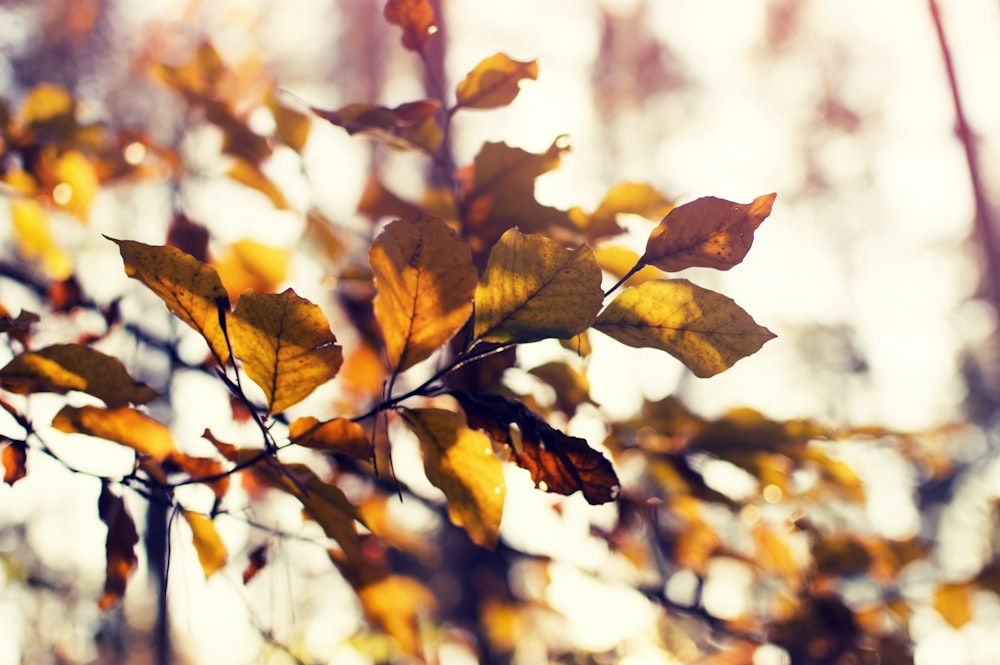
<point x="64" y="367"/>
<point x="339" y="435"/>
<point x="409" y="126"/>
<point x="14" y="457"/>
<point x="123" y="425"/>
<point x="119" y="546"/>
<point x="415" y="17"/>
<point x="708" y="232"/>
<point x="558" y="463"/>
<point x="494" y="82"/>
<point x="256" y="560"/>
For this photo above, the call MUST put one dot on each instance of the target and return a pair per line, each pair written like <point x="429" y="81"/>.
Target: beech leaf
<point x="285" y="344"/>
<point x="460" y="462"/>
<point x="494" y="82"/>
<point x="415" y="17"/>
<point x="191" y="289"/>
<point x="119" y="546"/>
<point x="212" y="553"/>
<point x="339" y="435"/>
<point x="557" y="462"/>
<point x="707" y="232"/>
<point x="64" y="367"/>
<point x="123" y="425"/>
<point x="534" y="288"/>
<point x="703" y="329"/>
<point x="425" y="282"/>
<point x="409" y="126"/>
<point x="323" y="502"/>
<point x="634" y="198"/>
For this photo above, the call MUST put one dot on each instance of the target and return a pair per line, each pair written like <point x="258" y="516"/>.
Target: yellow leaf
<point x="249" y="174"/>
<point x="633" y="198"/>
<point x="425" y="281"/>
<point x="76" y="183"/>
<point x="64" y="367"/>
<point x="339" y="435"/>
<point x="212" y="553"/>
<point x="35" y="240"/>
<point x="460" y="462"/>
<point x="954" y="602"/>
<point x="123" y="425"/>
<point x="708" y="233"/>
<point x="285" y="344"/>
<point x="292" y="127"/>
<point x="47" y="102"/>
<point x="191" y="289"/>
<point x="534" y="288"/>
<point x="494" y="82"/>
<point x="323" y="502"/>
<point x="396" y="604"/>
<point x="619" y="261"/>
<point x="415" y="17"/>
<point x="703" y="329"/>
<point x="248" y="264"/>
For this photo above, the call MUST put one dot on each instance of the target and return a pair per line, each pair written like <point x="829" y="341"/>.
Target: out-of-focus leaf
<point x="703" y="329"/>
<point x="425" y="281"/>
<point x="396" y="604"/>
<point x="119" y="546"/>
<point x="460" y="462"/>
<point x="48" y="104"/>
<point x="415" y="17"/>
<point x="535" y="288"/>
<point x="248" y="264"/>
<point x="204" y="467"/>
<point x="633" y="198"/>
<point x="123" y="425"/>
<point x="212" y="552"/>
<point x="285" y="344"/>
<point x="188" y="236"/>
<point x="619" y="261"/>
<point x="409" y="126"/>
<point x="578" y="344"/>
<point x="339" y="435"/>
<point x="379" y="201"/>
<point x="256" y="560"/>
<point x="570" y="385"/>
<point x="494" y="82"/>
<point x="708" y="232"/>
<point x="14" y="457"/>
<point x="557" y="462"/>
<point x="191" y="289"/>
<point x="34" y="238"/>
<point x="291" y="126"/>
<point x="248" y="173"/>
<point x="954" y="602"/>
<point x="64" y="367"/>
<point x="323" y="502"/>
<point x="76" y="183"/>
<point x="775" y="553"/>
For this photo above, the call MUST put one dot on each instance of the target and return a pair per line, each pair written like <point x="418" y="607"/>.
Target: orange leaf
<point x="256" y="560"/>
<point x="558" y="463"/>
<point x="250" y="174"/>
<point x="14" y="457"/>
<point x="494" y="82"/>
<point x="285" y="344"/>
<point x="396" y="604"/>
<point x="708" y="233"/>
<point x="339" y="435"/>
<point x="64" y="367"/>
<point x="425" y="282"/>
<point x="954" y="602"/>
<point x="123" y="425"/>
<point x="212" y="553"/>
<point x="119" y="546"/>
<point x="415" y="17"/>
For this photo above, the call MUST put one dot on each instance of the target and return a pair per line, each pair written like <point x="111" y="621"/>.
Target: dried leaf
<point x="954" y="602"/>
<point x="212" y="553"/>
<point x="415" y="17"/>
<point x="119" y="546"/>
<point x="191" y="289"/>
<point x="703" y="329"/>
<point x="558" y="463"/>
<point x="494" y="82"/>
<point x="339" y="435"/>
<point x="256" y="560"/>
<point x="15" y="458"/>
<point x="570" y="385"/>
<point x="248" y="173"/>
<point x="534" y="288"/>
<point x="64" y="367"/>
<point x="708" y="232"/>
<point x="425" y="282"/>
<point x="409" y="126"/>
<point x="460" y="462"/>
<point x="123" y="425"/>
<point x="285" y="344"/>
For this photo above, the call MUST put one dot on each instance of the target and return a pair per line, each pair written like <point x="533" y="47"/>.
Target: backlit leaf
<point x="425" y="281"/>
<point x="35" y="242"/>
<point x="247" y="173"/>
<point x="494" y="82"/>
<point x="14" y="457"/>
<point x="64" y="367"/>
<point x="119" y="546"/>
<point x="212" y="553"/>
<point x="570" y="385"/>
<point x="191" y="289"/>
<point x="123" y="425"/>
<point x="415" y="17"/>
<point x="954" y="602"/>
<point x="619" y="261"/>
<point x="339" y="435"/>
<point x="204" y="467"/>
<point x="703" y="329"/>
<point x="77" y="179"/>
<point x="409" y="126"/>
<point x="285" y="344"/>
<point x="48" y="103"/>
<point x="708" y="233"/>
<point x="248" y="264"/>
<point x="634" y="198"/>
<point x="323" y="502"/>
<point x="460" y="462"/>
<point x="557" y="462"/>
<point x="291" y="126"/>
<point x="535" y="288"/>
<point x="396" y="604"/>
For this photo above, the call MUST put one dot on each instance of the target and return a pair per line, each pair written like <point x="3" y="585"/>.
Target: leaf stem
<point x="636" y="268"/>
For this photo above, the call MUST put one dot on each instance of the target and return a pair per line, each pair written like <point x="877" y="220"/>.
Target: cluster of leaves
<point x="451" y="286"/>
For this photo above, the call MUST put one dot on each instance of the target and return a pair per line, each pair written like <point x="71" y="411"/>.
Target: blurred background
<point x="875" y="269"/>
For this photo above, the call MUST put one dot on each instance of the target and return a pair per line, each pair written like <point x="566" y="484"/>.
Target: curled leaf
<point x="425" y="282"/>
<point x="285" y="344"/>
<point x="409" y="126"/>
<point x="415" y="17"/>
<point x="534" y="288"/>
<point x="708" y="232"/>
<point x="494" y="82"/>
<point x="703" y="329"/>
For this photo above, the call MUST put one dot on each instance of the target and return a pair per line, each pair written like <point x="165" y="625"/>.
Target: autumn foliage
<point x="429" y="315"/>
